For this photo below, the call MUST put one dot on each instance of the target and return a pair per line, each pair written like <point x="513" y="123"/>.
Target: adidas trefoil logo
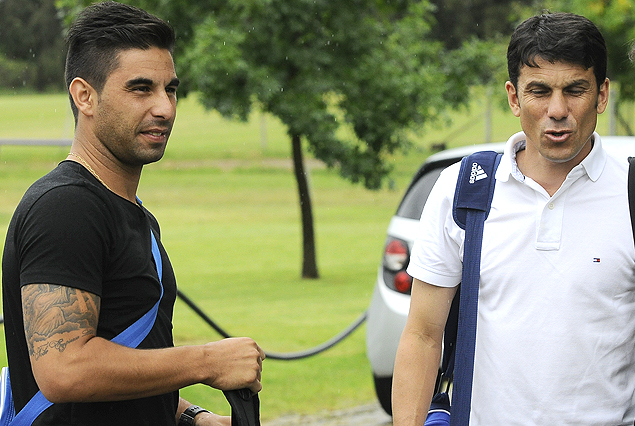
<point x="477" y="173"/>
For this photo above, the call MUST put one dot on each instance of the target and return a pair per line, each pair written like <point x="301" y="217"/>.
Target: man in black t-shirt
<point x="78" y="265"/>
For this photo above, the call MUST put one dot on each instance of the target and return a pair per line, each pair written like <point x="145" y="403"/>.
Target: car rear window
<point x="412" y="204"/>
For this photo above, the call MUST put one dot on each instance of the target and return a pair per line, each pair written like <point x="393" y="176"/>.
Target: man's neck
<point x="115" y="176"/>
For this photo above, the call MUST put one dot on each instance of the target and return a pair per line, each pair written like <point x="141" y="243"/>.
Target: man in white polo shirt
<point x="556" y="322"/>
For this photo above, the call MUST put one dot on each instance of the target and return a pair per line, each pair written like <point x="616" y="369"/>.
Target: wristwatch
<point x="187" y="417"/>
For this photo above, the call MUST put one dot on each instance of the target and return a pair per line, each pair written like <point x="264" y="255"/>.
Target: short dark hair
<point x="101" y="31"/>
<point x="557" y="37"/>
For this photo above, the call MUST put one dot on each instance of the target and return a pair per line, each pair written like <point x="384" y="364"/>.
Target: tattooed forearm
<point x="60" y="345"/>
<point x="53" y="311"/>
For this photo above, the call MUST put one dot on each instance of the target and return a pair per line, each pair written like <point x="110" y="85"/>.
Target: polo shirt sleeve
<point x="437" y="252"/>
<point x="64" y="240"/>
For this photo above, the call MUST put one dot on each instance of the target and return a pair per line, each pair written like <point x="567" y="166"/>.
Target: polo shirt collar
<point x="593" y="164"/>
<point x="596" y="160"/>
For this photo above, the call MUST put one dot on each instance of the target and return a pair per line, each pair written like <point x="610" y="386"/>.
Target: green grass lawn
<point x="226" y="199"/>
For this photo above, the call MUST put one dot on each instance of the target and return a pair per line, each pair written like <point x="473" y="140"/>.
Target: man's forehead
<point x="144" y="62"/>
<point x="541" y="68"/>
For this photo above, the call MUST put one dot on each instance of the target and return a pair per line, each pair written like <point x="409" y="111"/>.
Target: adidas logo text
<point x="477" y="173"/>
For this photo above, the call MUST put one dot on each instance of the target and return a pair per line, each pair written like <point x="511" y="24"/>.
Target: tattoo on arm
<point x="55" y="316"/>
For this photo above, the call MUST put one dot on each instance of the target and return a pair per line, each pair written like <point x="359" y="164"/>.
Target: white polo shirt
<point x="556" y="324"/>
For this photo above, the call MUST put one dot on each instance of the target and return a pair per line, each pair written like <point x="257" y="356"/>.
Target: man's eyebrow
<point x="575" y="83"/>
<point x="144" y="81"/>
<point x="580" y="83"/>
<point x="536" y="83"/>
<point x="139" y="81"/>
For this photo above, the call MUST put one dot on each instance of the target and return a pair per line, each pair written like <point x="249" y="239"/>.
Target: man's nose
<point x="164" y="106"/>
<point x="558" y="107"/>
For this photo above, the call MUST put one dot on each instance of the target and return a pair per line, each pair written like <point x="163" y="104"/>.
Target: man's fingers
<point x="256" y="386"/>
<point x="262" y="353"/>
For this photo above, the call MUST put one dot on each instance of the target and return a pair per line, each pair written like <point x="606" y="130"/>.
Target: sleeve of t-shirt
<point x="64" y="239"/>
<point x="436" y="256"/>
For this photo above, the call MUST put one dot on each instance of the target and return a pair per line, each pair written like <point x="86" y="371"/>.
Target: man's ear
<point x="84" y="96"/>
<point x="603" y="96"/>
<point x="512" y="98"/>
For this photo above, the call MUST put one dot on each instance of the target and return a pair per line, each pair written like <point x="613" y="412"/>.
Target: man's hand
<point x="234" y="364"/>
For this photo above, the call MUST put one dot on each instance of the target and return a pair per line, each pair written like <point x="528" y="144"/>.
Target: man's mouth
<point x="558" y="135"/>
<point x="156" y="133"/>
<point x="157" y="130"/>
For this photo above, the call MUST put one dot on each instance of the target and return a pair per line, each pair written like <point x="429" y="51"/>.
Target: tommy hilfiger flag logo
<point x="477" y="173"/>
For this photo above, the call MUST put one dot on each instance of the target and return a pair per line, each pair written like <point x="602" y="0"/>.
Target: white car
<point x="391" y="297"/>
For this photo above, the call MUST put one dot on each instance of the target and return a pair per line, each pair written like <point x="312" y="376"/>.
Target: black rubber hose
<point x="276" y="355"/>
<point x="201" y="314"/>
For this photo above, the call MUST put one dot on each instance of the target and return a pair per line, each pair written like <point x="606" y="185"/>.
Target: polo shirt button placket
<point x="550" y="225"/>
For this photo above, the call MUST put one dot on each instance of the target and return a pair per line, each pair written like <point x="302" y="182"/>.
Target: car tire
<point x="383" y="389"/>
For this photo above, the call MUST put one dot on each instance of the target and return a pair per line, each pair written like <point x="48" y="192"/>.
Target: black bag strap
<point x="245" y="407"/>
<point x="631" y="191"/>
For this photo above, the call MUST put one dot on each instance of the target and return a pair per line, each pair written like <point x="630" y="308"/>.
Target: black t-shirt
<point x="70" y="230"/>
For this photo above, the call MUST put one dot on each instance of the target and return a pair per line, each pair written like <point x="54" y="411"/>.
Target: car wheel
<point x="383" y="389"/>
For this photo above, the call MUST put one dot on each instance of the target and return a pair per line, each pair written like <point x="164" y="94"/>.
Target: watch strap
<point x="187" y="417"/>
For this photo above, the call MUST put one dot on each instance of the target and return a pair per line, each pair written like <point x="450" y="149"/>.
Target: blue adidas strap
<point x="134" y="335"/>
<point x="472" y="202"/>
<point x="131" y="337"/>
<point x="475" y="185"/>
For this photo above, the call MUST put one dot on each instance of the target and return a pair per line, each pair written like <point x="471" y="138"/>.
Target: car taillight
<point x="395" y="262"/>
<point x="403" y="282"/>
<point x="395" y="255"/>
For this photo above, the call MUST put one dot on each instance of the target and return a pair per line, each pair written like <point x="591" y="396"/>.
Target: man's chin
<point x="563" y="156"/>
<point x="154" y="159"/>
<point x="149" y="156"/>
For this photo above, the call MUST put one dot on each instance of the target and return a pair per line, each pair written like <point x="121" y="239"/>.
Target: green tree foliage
<point x="349" y="78"/>
<point x="460" y="20"/>
<point x="31" y="45"/>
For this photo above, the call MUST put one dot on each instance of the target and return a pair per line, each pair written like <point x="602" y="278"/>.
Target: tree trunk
<point x="309" y="264"/>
